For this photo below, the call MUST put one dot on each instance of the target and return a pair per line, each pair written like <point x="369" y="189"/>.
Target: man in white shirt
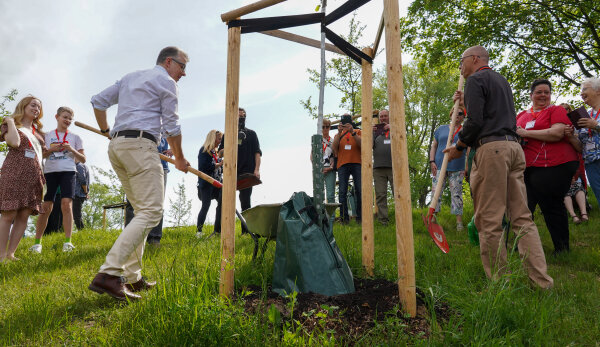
<point x="147" y="104"/>
<point x="64" y="148"/>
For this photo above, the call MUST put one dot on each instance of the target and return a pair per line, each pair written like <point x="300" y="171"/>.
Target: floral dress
<point x="22" y="180"/>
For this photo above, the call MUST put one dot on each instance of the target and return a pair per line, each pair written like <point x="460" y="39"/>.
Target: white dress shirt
<point x="147" y="101"/>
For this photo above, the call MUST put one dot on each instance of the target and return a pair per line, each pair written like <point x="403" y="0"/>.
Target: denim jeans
<point x="593" y="174"/>
<point x="330" y="186"/>
<point x="344" y="173"/>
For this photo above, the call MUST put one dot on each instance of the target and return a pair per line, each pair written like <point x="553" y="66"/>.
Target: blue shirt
<point x="82" y="178"/>
<point x="590" y="142"/>
<point x="162" y="148"/>
<point x="147" y="101"/>
<point x="441" y="136"/>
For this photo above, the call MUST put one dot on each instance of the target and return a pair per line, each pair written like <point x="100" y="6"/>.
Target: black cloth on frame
<point x="273" y="23"/>
<point x="343" y="10"/>
<point x="346" y="47"/>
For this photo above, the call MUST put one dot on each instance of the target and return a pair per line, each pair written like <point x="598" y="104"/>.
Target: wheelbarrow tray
<point x="262" y="220"/>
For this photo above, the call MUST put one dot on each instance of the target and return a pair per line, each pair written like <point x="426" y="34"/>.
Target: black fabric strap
<point x="273" y="23"/>
<point x="346" y="47"/>
<point x="343" y="10"/>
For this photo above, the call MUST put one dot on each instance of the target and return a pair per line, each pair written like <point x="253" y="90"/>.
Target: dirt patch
<point x="345" y="316"/>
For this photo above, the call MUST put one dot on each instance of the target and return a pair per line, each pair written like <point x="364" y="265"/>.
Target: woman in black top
<point x="212" y="165"/>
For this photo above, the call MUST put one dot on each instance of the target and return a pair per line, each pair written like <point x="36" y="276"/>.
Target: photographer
<point x="346" y="146"/>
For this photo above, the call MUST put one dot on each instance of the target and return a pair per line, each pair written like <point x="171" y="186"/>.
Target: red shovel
<point x="435" y="230"/>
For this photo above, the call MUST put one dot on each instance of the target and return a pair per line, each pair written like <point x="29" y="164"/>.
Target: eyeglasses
<point x="460" y="61"/>
<point x="181" y="65"/>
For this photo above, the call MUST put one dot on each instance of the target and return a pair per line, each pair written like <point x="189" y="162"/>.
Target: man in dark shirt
<point x="249" y="155"/>
<point x="497" y="176"/>
<point x="382" y="166"/>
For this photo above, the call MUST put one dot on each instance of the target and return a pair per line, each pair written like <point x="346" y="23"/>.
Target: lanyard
<point x="595" y="118"/>
<point x="64" y="137"/>
<point x="347" y="136"/>
<point x="534" y="115"/>
<point x="456" y="132"/>
<point x="326" y="143"/>
<point x="387" y="134"/>
<point x="214" y="156"/>
<point x="484" y="68"/>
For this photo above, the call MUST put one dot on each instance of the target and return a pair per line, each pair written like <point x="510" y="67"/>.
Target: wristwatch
<point x="105" y="131"/>
<point x="460" y="148"/>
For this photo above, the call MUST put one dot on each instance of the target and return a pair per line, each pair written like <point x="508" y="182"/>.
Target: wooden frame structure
<point x="403" y="208"/>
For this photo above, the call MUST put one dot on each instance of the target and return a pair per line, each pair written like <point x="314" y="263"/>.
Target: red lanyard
<point x="214" y="156"/>
<point x="64" y="137"/>
<point x="33" y="131"/>
<point x="534" y="115"/>
<point x="595" y="118"/>
<point x="387" y="134"/>
<point x="348" y="136"/>
<point x="325" y="143"/>
<point x="456" y="132"/>
<point x="484" y="68"/>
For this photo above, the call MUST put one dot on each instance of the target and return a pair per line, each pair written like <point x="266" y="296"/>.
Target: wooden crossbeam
<point x="378" y="36"/>
<point x="302" y="39"/>
<point x="253" y="7"/>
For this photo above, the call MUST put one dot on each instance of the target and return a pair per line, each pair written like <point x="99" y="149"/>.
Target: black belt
<point x="493" y="138"/>
<point x="136" y="133"/>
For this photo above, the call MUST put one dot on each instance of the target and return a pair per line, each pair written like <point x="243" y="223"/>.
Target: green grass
<point x="44" y="299"/>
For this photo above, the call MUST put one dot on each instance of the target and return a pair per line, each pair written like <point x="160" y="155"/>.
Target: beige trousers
<point x="136" y="163"/>
<point x="498" y="187"/>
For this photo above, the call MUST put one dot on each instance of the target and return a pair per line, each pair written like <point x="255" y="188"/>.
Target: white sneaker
<point x="199" y="234"/>
<point x="68" y="247"/>
<point x="37" y="248"/>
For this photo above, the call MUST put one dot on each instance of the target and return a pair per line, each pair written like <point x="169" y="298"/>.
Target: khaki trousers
<point x="381" y="177"/>
<point x="497" y="185"/>
<point x="136" y="163"/>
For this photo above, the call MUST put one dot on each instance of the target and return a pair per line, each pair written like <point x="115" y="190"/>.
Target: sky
<point x="63" y="52"/>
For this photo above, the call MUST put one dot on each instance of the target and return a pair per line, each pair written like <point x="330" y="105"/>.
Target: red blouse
<point x="541" y="153"/>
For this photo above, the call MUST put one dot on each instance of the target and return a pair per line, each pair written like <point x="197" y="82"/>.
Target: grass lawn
<point x="44" y="298"/>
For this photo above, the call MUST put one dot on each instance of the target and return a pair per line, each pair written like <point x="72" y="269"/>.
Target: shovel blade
<point x="439" y="238"/>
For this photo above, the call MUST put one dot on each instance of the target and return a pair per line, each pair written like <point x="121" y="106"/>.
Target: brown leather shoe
<point x="140" y="285"/>
<point x="113" y="286"/>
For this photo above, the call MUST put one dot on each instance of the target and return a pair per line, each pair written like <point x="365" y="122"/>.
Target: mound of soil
<point x="348" y="315"/>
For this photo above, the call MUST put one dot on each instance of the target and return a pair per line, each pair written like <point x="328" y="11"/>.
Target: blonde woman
<point x="210" y="164"/>
<point x="22" y="180"/>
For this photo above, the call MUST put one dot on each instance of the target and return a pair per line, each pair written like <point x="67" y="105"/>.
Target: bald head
<point x="472" y="59"/>
<point x="479" y="51"/>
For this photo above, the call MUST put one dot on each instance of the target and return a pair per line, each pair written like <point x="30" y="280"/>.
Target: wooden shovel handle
<point x="196" y="172"/>
<point x="442" y="170"/>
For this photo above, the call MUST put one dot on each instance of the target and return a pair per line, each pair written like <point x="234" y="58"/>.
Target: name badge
<point x="387" y="142"/>
<point x="348" y="147"/>
<point x="530" y="124"/>
<point x="29" y="153"/>
<point x="59" y="154"/>
<point x="590" y="146"/>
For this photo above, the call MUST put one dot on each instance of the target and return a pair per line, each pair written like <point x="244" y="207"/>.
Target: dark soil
<point x="347" y="316"/>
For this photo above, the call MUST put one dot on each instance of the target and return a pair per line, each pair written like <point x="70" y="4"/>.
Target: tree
<point x="106" y="190"/>
<point x="528" y="39"/>
<point x="4" y="112"/>
<point x="343" y="74"/>
<point x="181" y="208"/>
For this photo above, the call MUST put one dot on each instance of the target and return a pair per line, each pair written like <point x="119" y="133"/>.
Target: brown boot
<point x="113" y="286"/>
<point x="142" y="284"/>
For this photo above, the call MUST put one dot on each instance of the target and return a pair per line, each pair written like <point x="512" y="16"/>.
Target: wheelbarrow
<point x="262" y="220"/>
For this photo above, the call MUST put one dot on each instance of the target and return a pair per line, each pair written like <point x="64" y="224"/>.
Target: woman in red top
<point x="551" y="161"/>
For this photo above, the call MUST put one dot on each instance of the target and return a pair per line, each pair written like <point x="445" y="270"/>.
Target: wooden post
<point x="230" y="163"/>
<point x="366" y="151"/>
<point x="259" y="5"/>
<point x="404" y="225"/>
<point x="103" y="218"/>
